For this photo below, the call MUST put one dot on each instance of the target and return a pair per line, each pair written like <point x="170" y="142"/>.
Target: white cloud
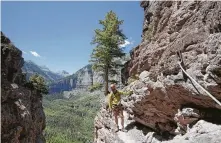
<point x="24" y="52"/>
<point x="127" y="43"/>
<point x="35" y="54"/>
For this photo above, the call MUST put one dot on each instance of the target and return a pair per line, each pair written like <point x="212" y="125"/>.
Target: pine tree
<point x="107" y="41"/>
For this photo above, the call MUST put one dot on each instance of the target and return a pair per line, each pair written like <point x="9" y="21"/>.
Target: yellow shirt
<point x="115" y="98"/>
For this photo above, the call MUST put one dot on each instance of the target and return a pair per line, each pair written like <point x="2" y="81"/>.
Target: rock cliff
<point x="83" y="78"/>
<point x="22" y="116"/>
<point x="172" y="30"/>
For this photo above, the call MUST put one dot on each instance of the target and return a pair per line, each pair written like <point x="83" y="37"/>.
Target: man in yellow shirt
<point x="115" y="105"/>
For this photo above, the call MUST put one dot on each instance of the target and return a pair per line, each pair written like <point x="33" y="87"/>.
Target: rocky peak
<point x="30" y="68"/>
<point x="22" y="116"/>
<point x="63" y="73"/>
<point x="172" y="30"/>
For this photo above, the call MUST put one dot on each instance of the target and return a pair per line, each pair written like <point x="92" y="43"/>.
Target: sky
<point x="58" y="34"/>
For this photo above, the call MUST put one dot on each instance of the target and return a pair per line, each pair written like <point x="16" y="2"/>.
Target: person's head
<point x="113" y="88"/>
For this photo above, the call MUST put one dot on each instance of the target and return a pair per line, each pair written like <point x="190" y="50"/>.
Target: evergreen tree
<point x="107" y="41"/>
<point x="39" y="84"/>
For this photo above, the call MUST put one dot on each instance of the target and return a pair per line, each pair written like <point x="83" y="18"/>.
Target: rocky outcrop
<point x="22" y="116"/>
<point x="172" y="30"/>
<point x="158" y="108"/>
<point x="149" y="111"/>
<point x="193" y="29"/>
<point x="202" y="131"/>
<point x="190" y="27"/>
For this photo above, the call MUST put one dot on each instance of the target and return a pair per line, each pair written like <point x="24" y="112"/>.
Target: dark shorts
<point x="118" y="110"/>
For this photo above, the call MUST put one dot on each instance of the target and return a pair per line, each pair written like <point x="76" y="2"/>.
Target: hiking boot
<point x="117" y="129"/>
<point x="123" y="130"/>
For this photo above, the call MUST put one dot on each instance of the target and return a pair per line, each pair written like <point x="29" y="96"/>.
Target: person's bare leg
<point x="122" y="119"/>
<point x="116" y="120"/>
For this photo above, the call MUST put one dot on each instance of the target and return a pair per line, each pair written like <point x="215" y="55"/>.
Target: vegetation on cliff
<point x="38" y="83"/>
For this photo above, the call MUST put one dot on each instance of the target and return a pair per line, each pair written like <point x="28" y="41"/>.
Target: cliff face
<point x="83" y="78"/>
<point x="22" y="116"/>
<point x="192" y="29"/>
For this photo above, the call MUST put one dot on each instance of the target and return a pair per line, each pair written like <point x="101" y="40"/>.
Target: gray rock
<point x="202" y="132"/>
<point x="14" y="85"/>
<point x="22" y="115"/>
<point x="190" y="112"/>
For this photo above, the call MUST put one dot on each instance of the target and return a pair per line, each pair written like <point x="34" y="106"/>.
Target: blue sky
<point x="58" y="34"/>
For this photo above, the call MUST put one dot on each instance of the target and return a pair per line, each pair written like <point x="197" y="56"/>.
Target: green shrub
<point x="95" y="86"/>
<point x="36" y="82"/>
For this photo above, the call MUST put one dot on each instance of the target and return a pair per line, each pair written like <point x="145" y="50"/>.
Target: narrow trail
<point x="125" y="137"/>
<point x="133" y="135"/>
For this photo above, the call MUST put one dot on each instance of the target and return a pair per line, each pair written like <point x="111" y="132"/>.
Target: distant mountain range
<point x="30" y="68"/>
<point x="63" y="81"/>
<point x="84" y="78"/>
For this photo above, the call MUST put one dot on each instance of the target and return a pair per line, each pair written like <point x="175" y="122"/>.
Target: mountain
<point x="63" y="81"/>
<point x="63" y="73"/>
<point x="85" y="77"/>
<point x="30" y="68"/>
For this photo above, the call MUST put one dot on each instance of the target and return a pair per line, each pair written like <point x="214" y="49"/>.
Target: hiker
<point x="115" y="105"/>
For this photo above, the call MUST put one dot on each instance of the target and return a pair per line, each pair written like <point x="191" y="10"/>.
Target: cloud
<point x="127" y="43"/>
<point x="35" y="54"/>
<point x="24" y="52"/>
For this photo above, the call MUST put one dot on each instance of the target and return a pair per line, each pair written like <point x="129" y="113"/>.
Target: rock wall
<point x="192" y="28"/>
<point x="22" y="116"/>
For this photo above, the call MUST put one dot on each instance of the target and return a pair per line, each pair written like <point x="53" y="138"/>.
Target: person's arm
<point x="126" y="93"/>
<point x="110" y="102"/>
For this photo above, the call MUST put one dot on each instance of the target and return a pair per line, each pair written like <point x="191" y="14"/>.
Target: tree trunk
<point x="106" y="81"/>
<point x="92" y="80"/>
